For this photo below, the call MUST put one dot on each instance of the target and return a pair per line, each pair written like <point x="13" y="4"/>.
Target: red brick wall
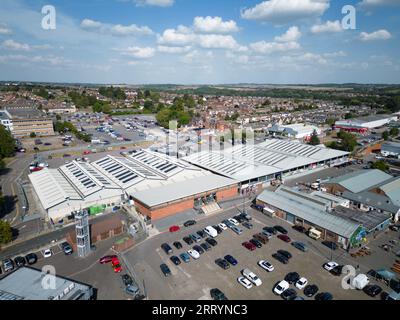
<point x="226" y="194"/>
<point x="166" y="211"/>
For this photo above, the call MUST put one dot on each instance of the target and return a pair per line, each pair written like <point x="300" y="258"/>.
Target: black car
<point x="322" y="296"/>
<point x="280" y="258"/>
<point x="222" y="263"/>
<point x="66" y="247"/>
<point x="217" y="294"/>
<point x="239" y="218"/>
<point x="175" y="260"/>
<point x="337" y="271"/>
<point x="165" y="270"/>
<point x="206" y="246"/>
<point x="300" y="229"/>
<point x="127" y="280"/>
<point x="280" y="229"/>
<point x="218" y="229"/>
<point x="19" y="261"/>
<point x="188" y="240"/>
<point x="202" y="234"/>
<point x="285" y="253"/>
<point x="331" y="245"/>
<point x="289" y="294"/>
<point x="178" y="245"/>
<point x="189" y="223"/>
<point x="231" y="260"/>
<point x="166" y="248"/>
<point x="310" y="290"/>
<point x="372" y="290"/>
<point x="212" y="242"/>
<point x="247" y="225"/>
<point x="292" y="277"/>
<point x="31" y="258"/>
<point x="270" y="230"/>
<point x="257" y="243"/>
<point x="198" y="249"/>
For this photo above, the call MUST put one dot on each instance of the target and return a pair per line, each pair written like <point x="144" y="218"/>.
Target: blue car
<point x="299" y="245"/>
<point x="231" y="260"/>
<point x="185" y="257"/>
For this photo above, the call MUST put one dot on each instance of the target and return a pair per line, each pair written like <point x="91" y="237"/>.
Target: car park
<point x="188" y="240"/>
<point x="185" y="257"/>
<point x="198" y="249"/>
<point x="285" y="253"/>
<point x="175" y="260"/>
<point x="217" y="294"/>
<point x="284" y="238"/>
<point x="47" y="253"/>
<point x="280" y="258"/>
<point x="245" y="282"/>
<point x="189" y="223"/>
<point x="107" y="259"/>
<point x="231" y="260"/>
<point x="19" y="261"/>
<point x="289" y="294"/>
<point x="299" y="245"/>
<point x="194" y="254"/>
<point x="212" y="242"/>
<point x="266" y="265"/>
<point x="372" y="290"/>
<point x="257" y="243"/>
<point x="222" y="263"/>
<point x="165" y="270"/>
<point x="233" y="221"/>
<point x="195" y="237"/>
<point x="252" y="277"/>
<point x="222" y="226"/>
<point x="178" y="245"/>
<point x="249" y="246"/>
<point x="205" y="246"/>
<point x="281" y="287"/>
<point x="31" y="258"/>
<point x="167" y="249"/>
<point x="310" y="290"/>
<point x="280" y="229"/>
<point x="292" y="277"/>
<point x="330" y="265"/>
<point x="301" y="283"/>
<point x="66" y="247"/>
<point x="323" y="296"/>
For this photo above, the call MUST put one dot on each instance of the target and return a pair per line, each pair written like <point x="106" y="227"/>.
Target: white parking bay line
<point x="184" y="272"/>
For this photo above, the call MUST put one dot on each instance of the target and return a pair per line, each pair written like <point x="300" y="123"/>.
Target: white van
<point x="211" y="231"/>
<point x="252" y="277"/>
<point x="314" y="234"/>
<point x="360" y="281"/>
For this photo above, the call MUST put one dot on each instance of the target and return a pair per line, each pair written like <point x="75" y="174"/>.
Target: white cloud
<point x="138" y="52"/>
<point x="156" y="3"/>
<point x="292" y="34"/>
<point x="167" y="49"/>
<point x="198" y="57"/>
<point x="214" y="25"/>
<point x="4" y="30"/>
<point x="177" y="37"/>
<point x="215" y="41"/>
<point x="329" y="26"/>
<point x="16" y="46"/>
<point x="307" y="58"/>
<point x="284" y="11"/>
<point x="335" y="54"/>
<point x="264" y="47"/>
<point x="377" y="3"/>
<point x="376" y="35"/>
<point x="118" y="29"/>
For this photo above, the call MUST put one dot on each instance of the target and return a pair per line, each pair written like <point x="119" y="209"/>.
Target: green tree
<point x="7" y="143"/>
<point x="349" y="116"/>
<point x="380" y="165"/>
<point x="330" y="121"/>
<point x="32" y="135"/>
<point x="394" y="132"/>
<point x="5" y="232"/>
<point x="314" y="140"/>
<point x="385" y="135"/>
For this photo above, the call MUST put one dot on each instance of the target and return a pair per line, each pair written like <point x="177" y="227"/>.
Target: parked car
<point x="289" y="294"/>
<point x="323" y="296"/>
<point x="66" y="247"/>
<point x="310" y="290"/>
<point x="212" y="242"/>
<point x="280" y="258"/>
<point x="206" y="246"/>
<point x="8" y="265"/>
<point x="330" y="265"/>
<point x="261" y="238"/>
<point x="292" y="277"/>
<point x="301" y="283"/>
<point x="233" y="221"/>
<point x="178" y="245"/>
<point x="116" y="265"/>
<point x="239" y="218"/>
<point x="185" y="257"/>
<point x="194" y="254"/>
<point x="188" y="240"/>
<point x="252" y="277"/>
<point x="257" y="243"/>
<point x="31" y="258"/>
<point x="127" y="280"/>
<point x="167" y="249"/>
<point x="266" y="265"/>
<point x="211" y="232"/>
<point x="281" y="287"/>
<point x="47" y="253"/>
<point x="247" y="225"/>
<point x="219" y="230"/>
<point x="175" y="260"/>
<point x="199" y="249"/>
<point x="217" y="294"/>
<point x="280" y="229"/>
<point x="249" y="246"/>
<point x="107" y="259"/>
<point x="236" y="230"/>
<point x="189" y="223"/>
<point x="300" y="229"/>
<point x="337" y="271"/>
<point x="270" y="230"/>
<point x="245" y="282"/>
<point x="222" y="226"/>
<point x="231" y="260"/>
<point x="331" y="245"/>
<point x="202" y="234"/>
<point x="285" y="253"/>
<point x="299" y="245"/>
<point x="19" y="261"/>
<point x="372" y="290"/>
<point x="174" y="229"/>
<point x="165" y="270"/>
<point x="267" y="234"/>
<point x="246" y="216"/>
<point x="222" y="263"/>
<point x="195" y="237"/>
<point x="284" y="238"/>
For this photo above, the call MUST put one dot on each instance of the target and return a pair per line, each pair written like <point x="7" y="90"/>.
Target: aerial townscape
<point x="174" y="150"/>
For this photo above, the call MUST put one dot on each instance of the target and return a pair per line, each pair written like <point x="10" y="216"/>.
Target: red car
<point x="249" y="246"/>
<point x="174" y="229"/>
<point x="284" y="237"/>
<point x="87" y="152"/>
<point x="116" y="265"/>
<point x="107" y="259"/>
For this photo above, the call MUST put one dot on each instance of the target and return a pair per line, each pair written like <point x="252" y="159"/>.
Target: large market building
<point x="364" y="124"/>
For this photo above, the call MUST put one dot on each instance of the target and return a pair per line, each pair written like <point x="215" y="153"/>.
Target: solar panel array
<point x="80" y="178"/>
<point x="260" y="155"/>
<point x="120" y="173"/>
<point x="298" y="149"/>
<point x="218" y="162"/>
<point x="161" y="165"/>
<point x="97" y="175"/>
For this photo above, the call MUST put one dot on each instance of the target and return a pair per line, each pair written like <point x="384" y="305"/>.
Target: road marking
<point x="16" y="204"/>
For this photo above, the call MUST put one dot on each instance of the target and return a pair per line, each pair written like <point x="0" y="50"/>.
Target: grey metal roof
<point x="361" y="180"/>
<point x="391" y="147"/>
<point x="26" y="283"/>
<point x="392" y="190"/>
<point x="300" y="205"/>
<point x="178" y="190"/>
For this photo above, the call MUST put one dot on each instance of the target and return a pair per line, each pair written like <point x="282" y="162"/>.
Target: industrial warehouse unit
<point x="297" y="130"/>
<point x="363" y="124"/>
<point x="273" y="159"/>
<point x="313" y="212"/>
<point x="158" y="185"/>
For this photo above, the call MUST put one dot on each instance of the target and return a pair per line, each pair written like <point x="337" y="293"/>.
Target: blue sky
<point x="200" y="42"/>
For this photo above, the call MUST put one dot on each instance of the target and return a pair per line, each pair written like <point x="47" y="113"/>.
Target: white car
<point x="245" y="282"/>
<point x="301" y="283"/>
<point x="252" y="277"/>
<point x="330" y="265"/>
<point x="211" y="232"/>
<point x="266" y="265"/>
<point x="281" y="287"/>
<point x="223" y="226"/>
<point x="194" y="254"/>
<point x="233" y="221"/>
<point x="47" y="253"/>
